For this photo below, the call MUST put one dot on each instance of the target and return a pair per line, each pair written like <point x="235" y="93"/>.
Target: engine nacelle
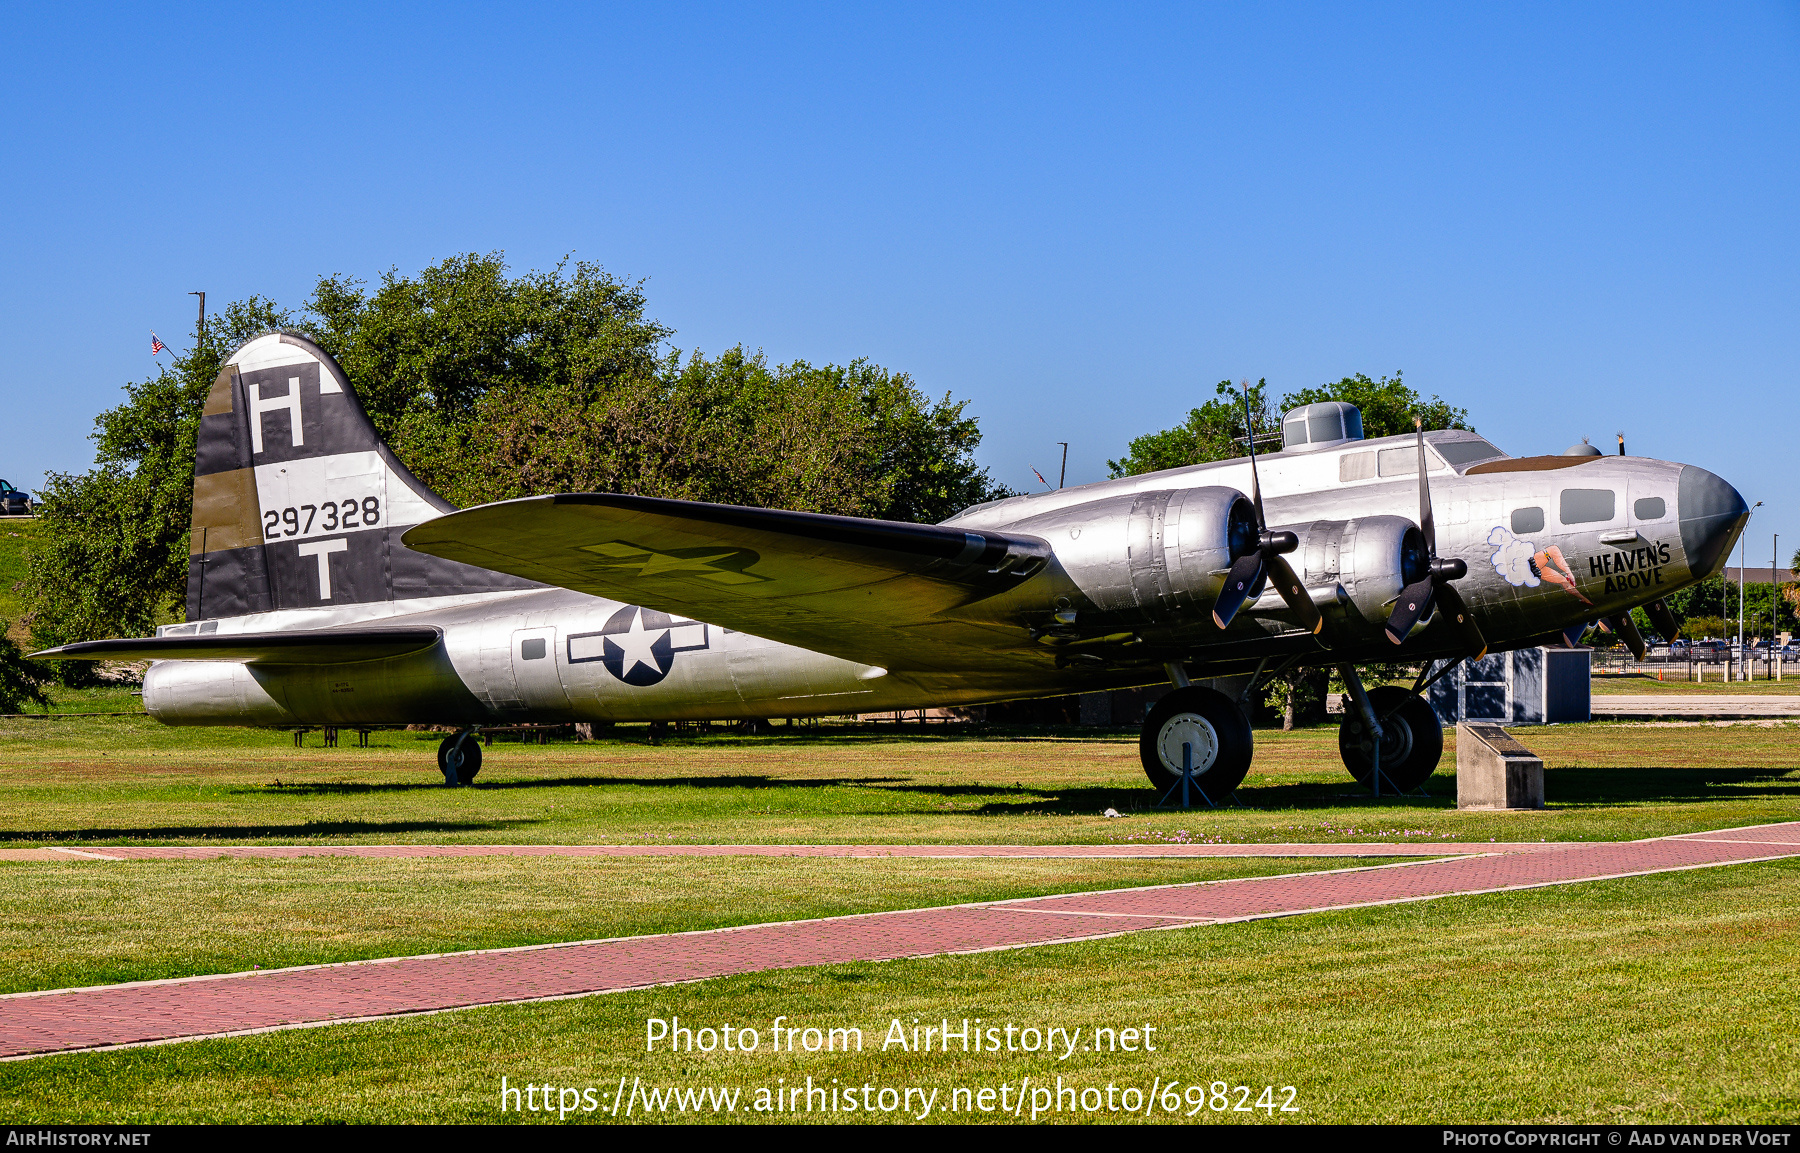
<point x="1371" y="558"/>
<point x="1150" y="556"/>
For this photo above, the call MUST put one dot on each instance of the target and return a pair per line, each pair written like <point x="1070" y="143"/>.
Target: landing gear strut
<point x="459" y="758"/>
<point x="1203" y="730"/>
<point x="1391" y="739"/>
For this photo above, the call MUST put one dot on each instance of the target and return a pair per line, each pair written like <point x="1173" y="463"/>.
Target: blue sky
<point x="1570" y="220"/>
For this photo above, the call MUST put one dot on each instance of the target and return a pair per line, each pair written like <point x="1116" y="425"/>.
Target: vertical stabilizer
<point x="297" y="502"/>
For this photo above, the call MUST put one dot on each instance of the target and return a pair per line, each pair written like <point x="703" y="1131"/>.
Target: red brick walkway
<point x="32" y="1023"/>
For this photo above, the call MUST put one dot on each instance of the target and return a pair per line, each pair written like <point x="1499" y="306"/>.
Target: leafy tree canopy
<point x="490" y="386"/>
<point x="1215" y="430"/>
<point x="22" y="681"/>
<point x="1710" y="608"/>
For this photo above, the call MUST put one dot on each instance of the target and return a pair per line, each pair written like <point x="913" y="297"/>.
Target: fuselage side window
<point x="1588" y="505"/>
<point x="1526" y="520"/>
<point x="1649" y="508"/>
<point x="1356" y="466"/>
<point x="1402" y="461"/>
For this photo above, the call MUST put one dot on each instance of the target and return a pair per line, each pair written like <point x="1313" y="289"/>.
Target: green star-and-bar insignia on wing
<point x="722" y="566"/>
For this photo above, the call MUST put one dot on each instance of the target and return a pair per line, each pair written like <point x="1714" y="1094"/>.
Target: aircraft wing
<point x="298" y="647"/>
<point x="866" y="590"/>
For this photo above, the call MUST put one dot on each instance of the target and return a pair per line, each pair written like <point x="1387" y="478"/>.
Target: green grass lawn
<point x="1638" y="684"/>
<point x="1654" y="999"/>
<point x="129" y="780"/>
<point x="1664" y="998"/>
<point x="15" y="537"/>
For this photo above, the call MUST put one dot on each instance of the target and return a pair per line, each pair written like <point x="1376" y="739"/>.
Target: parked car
<point x="1709" y="652"/>
<point x="14" y="502"/>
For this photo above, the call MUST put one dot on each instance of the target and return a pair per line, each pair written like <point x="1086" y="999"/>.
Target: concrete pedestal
<point x="1494" y="771"/>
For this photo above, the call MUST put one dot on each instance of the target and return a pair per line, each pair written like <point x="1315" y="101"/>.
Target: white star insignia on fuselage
<point x="634" y="646"/>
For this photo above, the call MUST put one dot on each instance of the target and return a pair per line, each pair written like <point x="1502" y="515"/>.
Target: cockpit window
<point x="1457" y="453"/>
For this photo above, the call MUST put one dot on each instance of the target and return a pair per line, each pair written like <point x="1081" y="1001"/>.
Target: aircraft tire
<point x="1205" y="718"/>
<point x="471" y="751"/>
<point x="1412" y="739"/>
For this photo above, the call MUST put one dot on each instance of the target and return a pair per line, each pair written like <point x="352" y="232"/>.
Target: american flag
<point x="156" y="345"/>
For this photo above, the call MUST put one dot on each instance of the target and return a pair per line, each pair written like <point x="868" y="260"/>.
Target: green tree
<point x="1700" y="627"/>
<point x="22" y="681"/>
<point x="1711" y="607"/>
<point x="854" y="440"/>
<point x="1215" y="430"/>
<point x="434" y="356"/>
<point x="491" y="386"/>
<point x="1388" y="405"/>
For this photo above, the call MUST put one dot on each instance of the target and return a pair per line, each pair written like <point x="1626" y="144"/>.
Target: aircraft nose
<point x="1712" y="515"/>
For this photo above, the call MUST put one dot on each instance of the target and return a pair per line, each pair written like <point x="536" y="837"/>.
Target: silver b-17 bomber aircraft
<point x="328" y="587"/>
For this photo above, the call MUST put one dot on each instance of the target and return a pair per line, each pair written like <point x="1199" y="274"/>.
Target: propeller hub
<point x="1450" y="569"/>
<point x="1279" y="542"/>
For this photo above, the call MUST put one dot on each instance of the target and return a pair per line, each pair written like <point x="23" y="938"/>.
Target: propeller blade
<point x="1572" y="635"/>
<point x="1427" y="526"/>
<point x="1662" y="619"/>
<point x="1294" y="593"/>
<point x="1246" y="573"/>
<point x="1255" y="481"/>
<point x="1464" y="620"/>
<point x="1413" y="606"/>
<point x="1628" y="632"/>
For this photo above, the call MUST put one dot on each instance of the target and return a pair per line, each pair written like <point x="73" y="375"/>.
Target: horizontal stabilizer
<point x="867" y="590"/>
<point x="299" y="647"/>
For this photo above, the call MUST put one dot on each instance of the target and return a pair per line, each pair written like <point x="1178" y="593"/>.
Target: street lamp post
<point x="1743" y="552"/>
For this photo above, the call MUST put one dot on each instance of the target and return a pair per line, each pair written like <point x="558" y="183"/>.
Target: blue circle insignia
<point x="635" y="646"/>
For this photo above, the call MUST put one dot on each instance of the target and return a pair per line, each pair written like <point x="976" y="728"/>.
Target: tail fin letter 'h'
<point x="258" y="406"/>
<point x="323" y="550"/>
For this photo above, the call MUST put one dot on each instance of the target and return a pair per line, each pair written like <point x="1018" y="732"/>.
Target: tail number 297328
<point x="327" y="516"/>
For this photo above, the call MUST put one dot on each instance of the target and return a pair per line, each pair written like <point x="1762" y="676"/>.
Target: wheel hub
<point x="1396" y="740"/>
<point x="1189" y="729"/>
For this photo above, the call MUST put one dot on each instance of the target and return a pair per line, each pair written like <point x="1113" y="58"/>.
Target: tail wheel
<point x="1412" y="740"/>
<point x="1216" y="734"/>
<point x="471" y="758"/>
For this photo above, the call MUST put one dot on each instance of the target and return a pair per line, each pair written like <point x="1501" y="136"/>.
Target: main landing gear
<point x="459" y="758"/>
<point x="1199" y="729"/>
<point x="1391" y="739"/>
